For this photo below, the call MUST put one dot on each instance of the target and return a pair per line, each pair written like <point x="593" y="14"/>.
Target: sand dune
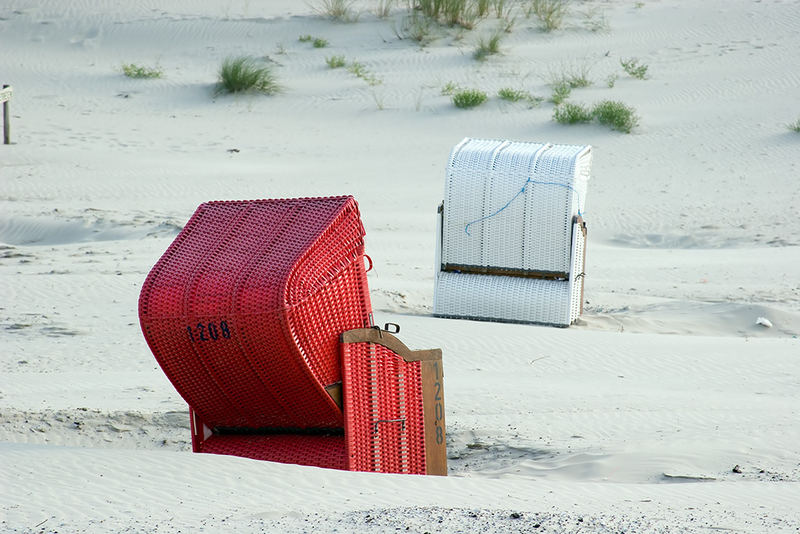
<point x="666" y="409"/>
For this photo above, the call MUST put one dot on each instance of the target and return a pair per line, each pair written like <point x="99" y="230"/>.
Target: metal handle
<point x="396" y="328"/>
<point x="402" y="421"/>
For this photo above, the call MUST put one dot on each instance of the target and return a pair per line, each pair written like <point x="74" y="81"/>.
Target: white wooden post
<point x="5" y="96"/>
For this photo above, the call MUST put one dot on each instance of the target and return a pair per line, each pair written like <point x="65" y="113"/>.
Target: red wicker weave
<point x="317" y="451"/>
<point x="244" y="309"/>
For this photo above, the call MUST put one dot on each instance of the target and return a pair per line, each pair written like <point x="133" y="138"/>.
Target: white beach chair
<point x="511" y="237"/>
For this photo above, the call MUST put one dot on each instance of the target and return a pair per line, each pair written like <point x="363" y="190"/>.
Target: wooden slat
<point x="433" y="415"/>
<point x="504" y="271"/>
<point x="382" y="337"/>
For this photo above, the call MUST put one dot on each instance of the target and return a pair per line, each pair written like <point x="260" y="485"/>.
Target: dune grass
<point x="502" y="8"/>
<point x="488" y="46"/>
<point x="246" y="74"/>
<point x="464" y="13"/>
<point x="561" y="92"/>
<point x="469" y="98"/>
<point x="518" y="95"/>
<point x="132" y="70"/>
<point x="574" y="74"/>
<point x="577" y="80"/>
<point x="550" y="13"/>
<point x="794" y="126"/>
<point x="383" y="8"/>
<point x="340" y="10"/>
<point x="415" y="26"/>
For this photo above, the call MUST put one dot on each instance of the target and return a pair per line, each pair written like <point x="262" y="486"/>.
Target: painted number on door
<point x="438" y="406"/>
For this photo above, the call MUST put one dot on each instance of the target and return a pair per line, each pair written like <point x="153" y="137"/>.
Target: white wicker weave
<point x="510" y="207"/>
<point x="530" y="232"/>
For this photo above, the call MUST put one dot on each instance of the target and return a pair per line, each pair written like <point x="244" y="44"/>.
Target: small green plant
<point x="576" y="76"/>
<point x="512" y="95"/>
<point x="246" y="74"/>
<point x="449" y="88"/>
<point x="578" y="80"/>
<point x="335" y="62"/>
<point x="132" y="70"/>
<point x="573" y="74"/>
<point x="794" y="126"/>
<point x="615" y="115"/>
<point x="359" y="70"/>
<point x="534" y="101"/>
<point x="561" y="92"/>
<point x="611" y="80"/>
<point x="518" y="95"/>
<point x="572" y="113"/>
<point x="341" y="10"/>
<point x="634" y="68"/>
<point x="372" y="80"/>
<point x="469" y="98"/>
<point x="488" y="46"/>
<point x="316" y="42"/>
<point x="638" y="5"/>
<point x="550" y="13"/>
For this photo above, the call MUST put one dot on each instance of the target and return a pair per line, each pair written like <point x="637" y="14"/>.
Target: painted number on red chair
<point x="209" y="331"/>
<point x="438" y="406"/>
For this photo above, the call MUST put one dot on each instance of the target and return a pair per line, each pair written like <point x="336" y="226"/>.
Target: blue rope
<point x="520" y="192"/>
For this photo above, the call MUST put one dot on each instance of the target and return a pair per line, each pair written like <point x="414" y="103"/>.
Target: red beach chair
<point x="244" y="312"/>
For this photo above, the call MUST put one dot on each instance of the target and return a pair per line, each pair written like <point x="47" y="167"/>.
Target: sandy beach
<point x="672" y="406"/>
